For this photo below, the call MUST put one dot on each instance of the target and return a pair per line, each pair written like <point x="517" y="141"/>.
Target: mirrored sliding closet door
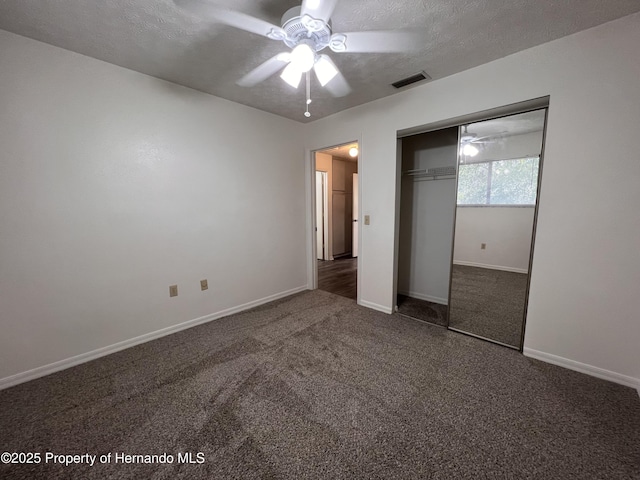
<point x="499" y="162"/>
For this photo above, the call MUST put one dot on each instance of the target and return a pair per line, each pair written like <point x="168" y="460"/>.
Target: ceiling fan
<point x="469" y="142"/>
<point x="306" y="31"/>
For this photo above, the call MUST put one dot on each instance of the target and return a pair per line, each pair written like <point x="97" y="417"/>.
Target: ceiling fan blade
<point x="338" y="85"/>
<point x="318" y="9"/>
<point x="493" y="135"/>
<point x="374" y="41"/>
<point x="265" y="70"/>
<point x="206" y="10"/>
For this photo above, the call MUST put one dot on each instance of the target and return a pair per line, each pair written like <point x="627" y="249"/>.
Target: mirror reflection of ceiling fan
<point x="470" y="143"/>
<point x="306" y="31"/>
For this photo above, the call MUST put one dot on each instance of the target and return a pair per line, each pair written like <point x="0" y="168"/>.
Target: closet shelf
<point x="438" y="173"/>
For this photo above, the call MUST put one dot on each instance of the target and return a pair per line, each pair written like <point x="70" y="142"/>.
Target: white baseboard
<point x="491" y="267"/>
<point x="426" y="298"/>
<point x="116" y="347"/>
<point x="584" y="368"/>
<point x="375" y="306"/>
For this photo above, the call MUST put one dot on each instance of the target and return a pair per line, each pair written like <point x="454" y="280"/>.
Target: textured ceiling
<point x="157" y="38"/>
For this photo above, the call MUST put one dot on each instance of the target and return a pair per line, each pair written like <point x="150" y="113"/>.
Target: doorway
<point x="336" y="219"/>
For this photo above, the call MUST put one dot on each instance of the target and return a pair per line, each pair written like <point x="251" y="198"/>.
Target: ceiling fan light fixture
<point x="303" y="57"/>
<point x="337" y="42"/>
<point x="292" y="75"/>
<point x="325" y="70"/>
<point x="470" y="150"/>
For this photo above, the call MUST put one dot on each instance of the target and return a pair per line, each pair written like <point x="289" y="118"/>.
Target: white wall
<point x="505" y="231"/>
<point x="586" y="267"/>
<point x="426" y="217"/>
<point x="115" y="185"/>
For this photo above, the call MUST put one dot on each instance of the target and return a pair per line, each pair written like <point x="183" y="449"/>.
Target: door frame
<point x="355" y="222"/>
<point x="325" y="214"/>
<point x="310" y="187"/>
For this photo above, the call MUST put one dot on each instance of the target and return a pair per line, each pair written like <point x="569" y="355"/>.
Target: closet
<point x="427" y="211"/>
<point x="467" y="214"/>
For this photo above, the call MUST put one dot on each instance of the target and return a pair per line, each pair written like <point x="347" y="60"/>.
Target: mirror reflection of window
<point x="499" y="182"/>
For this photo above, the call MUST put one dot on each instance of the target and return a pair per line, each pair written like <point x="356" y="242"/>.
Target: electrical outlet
<point x="367" y="220"/>
<point x="204" y="285"/>
<point x="483" y="246"/>
<point x="173" y="290"/>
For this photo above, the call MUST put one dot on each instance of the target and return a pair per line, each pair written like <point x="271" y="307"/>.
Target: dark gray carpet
<point x="314" y="386"/>
<point x="489" y="303"/>
<point x="422" y="310"/>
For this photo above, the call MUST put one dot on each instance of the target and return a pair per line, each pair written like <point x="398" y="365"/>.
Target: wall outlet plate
<point x="204" y="285"/>
<point x="173" y="290"/>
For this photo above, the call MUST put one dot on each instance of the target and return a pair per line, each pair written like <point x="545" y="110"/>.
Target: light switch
<point x="367" y="220"/>
<point x="204" y="285"/>
<point x="173" y="290"/>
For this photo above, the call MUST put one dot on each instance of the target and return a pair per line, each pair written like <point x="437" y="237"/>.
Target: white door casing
<point x="322" y="220"/>
<point x="355" y="216"/>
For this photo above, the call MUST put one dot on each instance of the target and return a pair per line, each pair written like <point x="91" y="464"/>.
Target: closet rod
<point x="432" y="177"/>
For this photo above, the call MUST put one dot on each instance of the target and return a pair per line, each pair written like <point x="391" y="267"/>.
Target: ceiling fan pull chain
<point x="308" y="79"/>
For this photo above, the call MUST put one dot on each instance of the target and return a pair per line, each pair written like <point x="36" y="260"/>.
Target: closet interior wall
<point x="427" y="213"/>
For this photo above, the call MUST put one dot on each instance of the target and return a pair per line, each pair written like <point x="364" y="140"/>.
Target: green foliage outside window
<point x="499" y="182"/>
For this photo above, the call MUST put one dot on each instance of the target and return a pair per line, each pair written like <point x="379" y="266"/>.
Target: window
<point x="498" y="182"/>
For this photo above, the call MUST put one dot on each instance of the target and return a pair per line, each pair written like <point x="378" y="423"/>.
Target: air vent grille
<point x="418" y="77"/>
